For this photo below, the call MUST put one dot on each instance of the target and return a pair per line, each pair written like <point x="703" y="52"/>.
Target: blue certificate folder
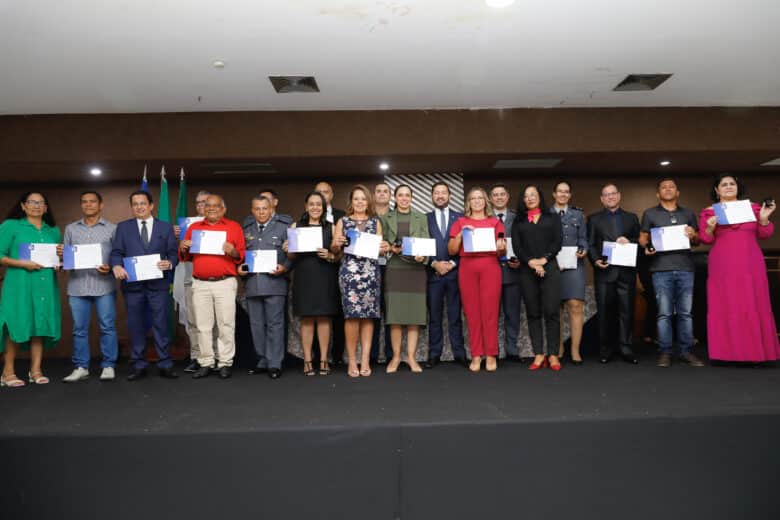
<point x="184" y="223"/>
<point x="129" y="264"/>
<point x="407" y="243"/>
<point x="607" y="249"/>
<point x="468" y="240"/>
<point x="69" y="254"/>
<point x="44" y="254"/>
<point x="352" y="235"/>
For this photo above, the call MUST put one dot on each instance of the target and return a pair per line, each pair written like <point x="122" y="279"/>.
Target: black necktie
<point x="260" y="227"/>
<point x="501" y="217"/>
<point x="144" y="234"/>
<point x="561" y="212"/>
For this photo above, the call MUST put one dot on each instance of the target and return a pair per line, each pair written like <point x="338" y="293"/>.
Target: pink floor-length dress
<point x="740" y="324"/>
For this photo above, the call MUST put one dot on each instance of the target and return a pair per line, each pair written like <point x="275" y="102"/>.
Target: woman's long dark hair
<point x="304" y="220"/>
<point x="741" y="190"/>
<point x="522" y="211"/>
<point x="16" y="211"/>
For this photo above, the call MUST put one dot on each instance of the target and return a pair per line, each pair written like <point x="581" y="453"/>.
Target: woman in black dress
<point x="315" y="288"/>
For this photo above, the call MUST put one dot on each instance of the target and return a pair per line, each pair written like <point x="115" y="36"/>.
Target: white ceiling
<point x="95" y="56"/>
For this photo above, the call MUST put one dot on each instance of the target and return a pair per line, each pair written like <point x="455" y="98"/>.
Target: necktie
<point x="501" y="217"/>
<point x="144" y="234"/>
<point x="442" y="223"/>
<point x="561" y="212"/>
<point x="260" y="227"/>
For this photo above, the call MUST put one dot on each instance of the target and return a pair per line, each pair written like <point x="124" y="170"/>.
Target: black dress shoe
<point x="604" y="359"/>
<point x="225" y="373"/>
<point x="192" y="366"/>
<point x="431" y="363"/>
<point x="513" y="359"/>
<point x="274" y="373"/>
<point x="630" y="358"/>
<point x="168" y="373"/>
<point x="201" y="372"/>
<point x="258" y="370"/>
<point x="136" y="374"/>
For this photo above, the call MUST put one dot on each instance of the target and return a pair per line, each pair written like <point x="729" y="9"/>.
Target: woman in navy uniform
<point x="574" y="234"/>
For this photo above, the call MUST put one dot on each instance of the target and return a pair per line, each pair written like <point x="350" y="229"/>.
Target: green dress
<point x="405" y="285"/>
<point x="30" y="301"/>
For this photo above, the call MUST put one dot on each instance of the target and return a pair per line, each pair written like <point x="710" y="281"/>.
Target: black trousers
<point x="615" y="300"/>
<point x="542" y="296"/>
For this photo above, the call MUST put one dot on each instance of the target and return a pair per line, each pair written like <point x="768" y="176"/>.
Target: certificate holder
<point x="304" y="239"/>
<point x="206" y="242"/>
<point x="261" y="260"/>
<point x="363" y="244"/>
<point x="735" y="212"/>
<point x="412" y="246"/>
<point x="670" y="238"/>
<point x="623" y="255"/>
<point x="144" y="267"/>
<point x="567" y="258"/>
<point x="184" y="223"/>
<point x="44" y="255"/>
<point x="82" y="256"/>
<point x="479" y="240"/>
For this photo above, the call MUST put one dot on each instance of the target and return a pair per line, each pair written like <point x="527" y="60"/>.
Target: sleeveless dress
<point x="359" y="278"/>
<point x="315" y="288"/>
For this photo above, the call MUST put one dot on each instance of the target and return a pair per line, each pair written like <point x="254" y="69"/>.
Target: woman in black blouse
<point x="536" y="239"/>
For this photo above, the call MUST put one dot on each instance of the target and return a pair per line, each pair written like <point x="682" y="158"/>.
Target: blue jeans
<point x="674" y="295"/>
<point x="81" y="309"/>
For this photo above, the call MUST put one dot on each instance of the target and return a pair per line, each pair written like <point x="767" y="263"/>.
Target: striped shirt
<point x="88" y="282"/>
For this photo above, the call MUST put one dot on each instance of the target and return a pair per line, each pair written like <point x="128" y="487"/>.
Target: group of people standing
<point x="334" y="290"/>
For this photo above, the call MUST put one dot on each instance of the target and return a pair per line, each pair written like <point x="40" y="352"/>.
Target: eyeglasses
<point x="200" y="202"/>
<point x="139" y="204"/>
<point x="611" y="194"/>
<point x="35" y="203"/>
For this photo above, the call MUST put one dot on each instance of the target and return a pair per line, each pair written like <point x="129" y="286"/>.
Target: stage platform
<point x="596" y="441"/>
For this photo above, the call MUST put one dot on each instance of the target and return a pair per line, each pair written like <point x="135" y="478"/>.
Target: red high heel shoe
<point x="555" y="368"/>
<point x="534" y="366"/>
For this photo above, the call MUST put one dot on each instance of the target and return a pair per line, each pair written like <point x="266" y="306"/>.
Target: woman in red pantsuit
<point x="479" y="278"/>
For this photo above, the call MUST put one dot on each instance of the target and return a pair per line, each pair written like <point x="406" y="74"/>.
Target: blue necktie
<point x="443" y="224"/>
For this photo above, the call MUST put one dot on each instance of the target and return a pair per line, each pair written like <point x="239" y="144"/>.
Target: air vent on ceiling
<point x="244" y="168"/>
<point x="773" y="162"/>
<point x="513" y="164"/>
<point x="635" y="82"/>
<point x="289" y="84"/>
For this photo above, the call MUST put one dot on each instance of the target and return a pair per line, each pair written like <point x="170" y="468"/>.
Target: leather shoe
<point x="201" y="372"/>
<point x="431" y="363"/>
<point x="630" y="358"/>
<point x="274" y="373"/>
<point x="192" y="366"/>
<point x="513" y="359"/>
<point x="664" y="361"/>
<point x="225" y="373"/>
<point x="136" y="374"/>
<point x="168" y="373"/>
<point x="604" y="360"/>
<point x="462" y="362"/>
<point x="691" y="360"/>
<point x="258" y="370"/>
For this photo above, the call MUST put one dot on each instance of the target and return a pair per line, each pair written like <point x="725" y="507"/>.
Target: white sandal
<point x="40" y="379"/>
<point x="11" y="382"/>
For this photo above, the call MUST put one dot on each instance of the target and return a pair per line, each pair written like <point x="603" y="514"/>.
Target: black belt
<point x="212" y="278"/>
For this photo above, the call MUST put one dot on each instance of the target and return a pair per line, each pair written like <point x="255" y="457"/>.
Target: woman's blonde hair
<point x="467" y="205"/>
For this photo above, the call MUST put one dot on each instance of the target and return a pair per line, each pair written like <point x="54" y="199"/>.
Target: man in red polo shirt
<point x="214" y="286"/>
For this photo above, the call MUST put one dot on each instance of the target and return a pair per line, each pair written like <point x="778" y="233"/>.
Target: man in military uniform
<point x="266" y="293"/>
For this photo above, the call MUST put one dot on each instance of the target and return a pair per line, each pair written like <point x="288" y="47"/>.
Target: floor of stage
<point x="446" y="395"/>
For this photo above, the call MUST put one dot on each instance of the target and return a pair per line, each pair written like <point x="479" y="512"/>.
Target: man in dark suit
<point x="615" y="285"/>
<point x="443" y="281"/>
<point x="145" y="235"/>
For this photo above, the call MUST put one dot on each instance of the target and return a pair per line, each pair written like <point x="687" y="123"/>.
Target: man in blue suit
<point x="145" y="235"/>
<point x="443" y="281"/>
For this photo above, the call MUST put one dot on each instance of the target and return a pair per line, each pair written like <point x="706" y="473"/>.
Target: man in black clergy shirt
<point x="615" y="285"/>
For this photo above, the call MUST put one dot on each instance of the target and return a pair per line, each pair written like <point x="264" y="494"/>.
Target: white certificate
<point x="735" y="212"/>
<point x="363" y="244"/>
<point x="208" y="242"/>
<point x="670" y="238"/>
<point x="412" y="246"/>
<point x="82" y="256"/>
<point x="620" y="254"/>
<point x="144" y="267"/>
<point x="261" y="260"/>
<point x="44" y="255"/>
<point x="510" y="248"/>
<point x="304" y="239"/>
<point x="567" y="258"/>
<point x="479" y="240"/>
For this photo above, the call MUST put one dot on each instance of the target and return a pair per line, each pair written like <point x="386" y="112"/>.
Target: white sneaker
<point x="107" y="374"/>
<point x="78" y="374"/>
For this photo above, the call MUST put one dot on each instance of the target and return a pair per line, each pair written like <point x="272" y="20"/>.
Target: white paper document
<point x="304" y="239"/>
<point x="82" y="256"/>
<point x="363" y="244"/>
<point x="567" y="258"/>
<point x="479" y="240"/>
<point x="208" y="242"/>
<point x="620" y="254"/>
<point x="670" y="238"/>
<point x="412" y="246"/>
<point x="261" y="260"/>
<point x="144" y="267"/>
<point x="44" y="255"/>
<point x="735" y="212"/>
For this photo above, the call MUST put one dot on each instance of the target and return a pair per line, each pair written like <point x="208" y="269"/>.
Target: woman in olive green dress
<point x="30" y="300"/>
<point x="405" y="279"/>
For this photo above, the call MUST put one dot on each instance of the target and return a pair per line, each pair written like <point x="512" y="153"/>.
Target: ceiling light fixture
<point x="218" y="64"/>
<point x="498" y="4"/>
<point x="384" y="166"/>
<point x="665" y="163"/>
<point x="95" y="171"/>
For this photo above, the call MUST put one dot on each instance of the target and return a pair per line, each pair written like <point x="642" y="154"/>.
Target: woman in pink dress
<point x="740" y="324"/>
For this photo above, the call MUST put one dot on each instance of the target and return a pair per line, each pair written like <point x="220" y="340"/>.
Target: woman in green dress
<point x="30" y="300"/>
<point x="405" y="279"/>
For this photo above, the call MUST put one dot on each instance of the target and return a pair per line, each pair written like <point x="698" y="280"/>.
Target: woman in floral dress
<point x="359" y="280"/>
